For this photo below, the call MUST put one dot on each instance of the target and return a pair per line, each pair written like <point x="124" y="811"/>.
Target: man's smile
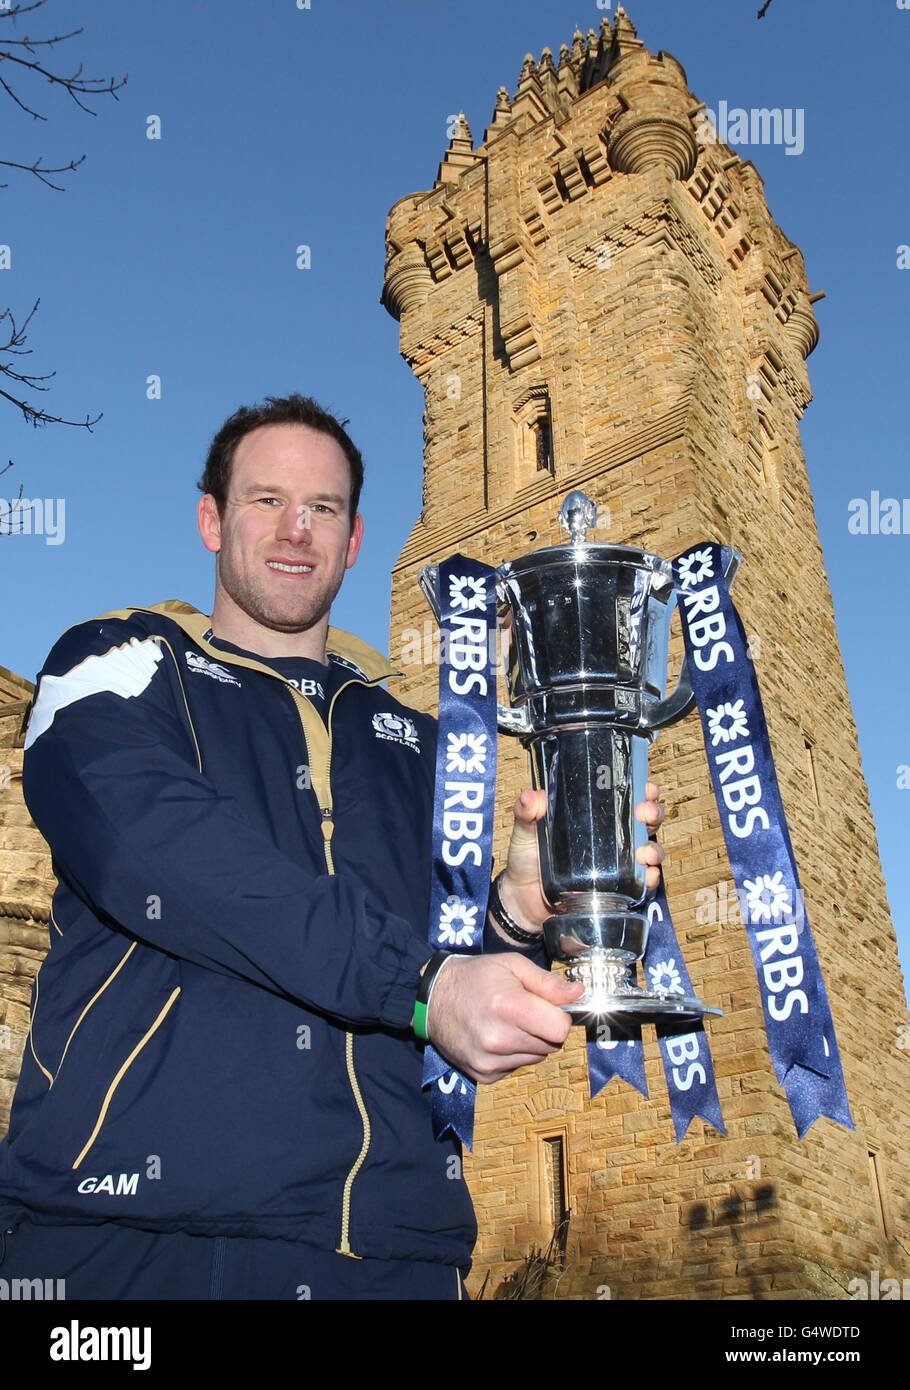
<point x="285" y="567"/>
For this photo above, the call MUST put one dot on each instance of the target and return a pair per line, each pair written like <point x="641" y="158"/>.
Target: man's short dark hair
<point x="277" y="410"/>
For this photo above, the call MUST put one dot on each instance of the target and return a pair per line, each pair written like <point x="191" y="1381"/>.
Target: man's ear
<point x="209" y="521"/>
<point x="354" y="541"/>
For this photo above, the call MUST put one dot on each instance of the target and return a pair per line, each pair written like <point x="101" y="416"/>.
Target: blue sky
<point x="282" y="126"/>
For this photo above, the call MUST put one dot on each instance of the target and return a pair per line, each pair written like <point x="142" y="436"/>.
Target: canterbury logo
<point x="398" y="729"/>
<point x="210" y="668"/>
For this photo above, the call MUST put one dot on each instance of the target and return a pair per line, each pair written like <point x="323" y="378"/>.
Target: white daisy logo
<point x="666" y="968"/>
<point x="467" y="593"/>
<point x="466" y="753"/>
<point x="767" y="897"/>
<point x="457" y="922"/>
<point x="720" y="731"/>
<point x="695" y="567"/>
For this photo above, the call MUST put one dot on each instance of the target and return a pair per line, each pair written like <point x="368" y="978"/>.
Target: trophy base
<point x="611" y="992"/>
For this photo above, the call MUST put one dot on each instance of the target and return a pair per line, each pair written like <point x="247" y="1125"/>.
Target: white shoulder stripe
<point x="124" y="671"/>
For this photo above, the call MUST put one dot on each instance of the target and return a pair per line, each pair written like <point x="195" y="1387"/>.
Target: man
<point x="221" y="1093"/>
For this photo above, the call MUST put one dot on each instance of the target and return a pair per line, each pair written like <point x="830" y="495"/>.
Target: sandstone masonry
<point x="594" y="298"/>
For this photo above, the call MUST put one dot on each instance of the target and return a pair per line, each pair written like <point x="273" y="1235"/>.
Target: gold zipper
<point x="328" y="828"/>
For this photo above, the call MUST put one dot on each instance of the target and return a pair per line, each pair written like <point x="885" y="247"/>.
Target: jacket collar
<point x="343" y="644"/>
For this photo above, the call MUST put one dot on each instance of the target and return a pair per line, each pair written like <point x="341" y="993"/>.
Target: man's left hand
<point x="520" y="886"/>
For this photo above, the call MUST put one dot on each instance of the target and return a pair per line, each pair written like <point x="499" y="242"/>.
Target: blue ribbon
<point x="684" y="1048"/>
<point x="465" y="800"/>
<point x="617" y="1050"/>
<point x="798" y="1019"/>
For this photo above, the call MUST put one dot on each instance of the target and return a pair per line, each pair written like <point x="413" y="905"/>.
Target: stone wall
<point x="26" y="887"/>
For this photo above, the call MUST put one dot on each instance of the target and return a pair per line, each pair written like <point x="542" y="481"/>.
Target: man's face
<point x="285" y="539"/>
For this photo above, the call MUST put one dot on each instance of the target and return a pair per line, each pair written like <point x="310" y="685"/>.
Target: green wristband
<point x="419" y="1022"/>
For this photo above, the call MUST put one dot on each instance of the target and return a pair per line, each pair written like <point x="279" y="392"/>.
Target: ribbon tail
<point x="629" y="1065"/>
<point x="811" y="1095"/>
<point x="452" y="1103"/>
<point x="691" y="1082"/>
<point x="688" y="1100"/>
<point x="454" y="1114"/>
<point x="707" y="1109"/>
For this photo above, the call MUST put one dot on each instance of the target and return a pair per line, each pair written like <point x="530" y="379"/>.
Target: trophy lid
<point x="577" y="516"/>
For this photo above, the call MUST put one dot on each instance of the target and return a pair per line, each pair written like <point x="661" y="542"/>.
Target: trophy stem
<point x="601" y="974"/>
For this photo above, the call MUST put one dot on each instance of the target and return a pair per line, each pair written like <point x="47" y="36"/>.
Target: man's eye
<point x="269" y="499"/>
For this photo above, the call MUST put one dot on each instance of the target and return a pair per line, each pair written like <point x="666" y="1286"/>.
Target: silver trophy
<point x="586" y="632"/>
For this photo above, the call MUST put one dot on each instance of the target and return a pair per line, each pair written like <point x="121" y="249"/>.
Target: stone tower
<point x="26" y="888"/>
<point x="596" y="296"/>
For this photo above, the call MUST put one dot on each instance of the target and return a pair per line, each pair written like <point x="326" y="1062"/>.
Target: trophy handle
<point x="428" y="584"/>
<point x="682" y="701"/>
<point x="675" y="706"/>
<point x="510" y="721"/>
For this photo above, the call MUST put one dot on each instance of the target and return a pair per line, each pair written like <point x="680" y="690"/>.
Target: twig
<point x="15" y="345"/>
<point x="37" y="170"/>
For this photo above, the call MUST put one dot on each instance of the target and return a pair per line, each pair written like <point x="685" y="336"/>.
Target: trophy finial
<point x="578" y="515"/>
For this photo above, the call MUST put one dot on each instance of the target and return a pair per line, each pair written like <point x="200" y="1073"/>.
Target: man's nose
<point x="295" y="524"/>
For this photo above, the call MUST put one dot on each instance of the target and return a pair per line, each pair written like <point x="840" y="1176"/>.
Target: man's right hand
<point x="489" y="1015"/>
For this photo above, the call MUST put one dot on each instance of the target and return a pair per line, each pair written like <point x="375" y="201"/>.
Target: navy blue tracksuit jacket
<point x="220" y="1039"/>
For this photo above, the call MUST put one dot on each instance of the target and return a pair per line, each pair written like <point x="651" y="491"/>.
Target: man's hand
<point x="520" y="887"/>
<point x="491" y="1014"/>
<point x="652" y="814"/>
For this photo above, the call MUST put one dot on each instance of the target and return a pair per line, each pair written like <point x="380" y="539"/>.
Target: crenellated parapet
<point x="603" y="154"/>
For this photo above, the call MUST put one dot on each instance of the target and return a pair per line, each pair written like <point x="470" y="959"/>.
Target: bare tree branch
<point x="75" y="85"/>
<point x="21" y="9"/>
<point x="15" y="346"/>
<point x="32" y="44"/>
<point x="80" y="89"/>
<point x="40" y="172"/>
<point x="12" y="509"/>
